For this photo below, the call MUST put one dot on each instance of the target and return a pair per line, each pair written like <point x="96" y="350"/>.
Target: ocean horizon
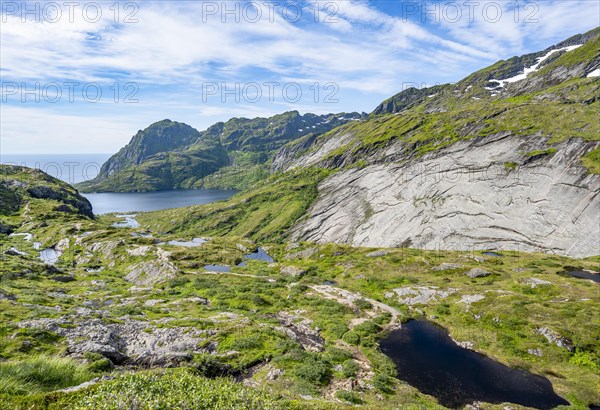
<point x="71" y="168"/>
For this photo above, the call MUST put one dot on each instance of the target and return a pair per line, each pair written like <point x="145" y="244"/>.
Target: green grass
<point x="592" y="161"/>
<point x="263" y="214"/>
<point x="535" y="153"/>
<point x="175" y="389"/>
<point x="41" y="374"/>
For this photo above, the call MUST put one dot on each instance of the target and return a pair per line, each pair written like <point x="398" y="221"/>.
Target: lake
<point x="427" y="358"/>
<point x="74" y="168"/>
<point x="123" y="202"/>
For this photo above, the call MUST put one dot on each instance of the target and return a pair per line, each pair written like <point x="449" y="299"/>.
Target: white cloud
<point x="175" y="47"/>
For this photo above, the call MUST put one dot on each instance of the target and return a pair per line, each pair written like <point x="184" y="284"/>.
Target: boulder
<point x="478" y="273"/>
<point x="292" y="271"/>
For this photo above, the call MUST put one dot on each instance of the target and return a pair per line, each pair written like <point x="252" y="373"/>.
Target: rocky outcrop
<point x="131" y="342"/>
<point x="19" y="185"/>
<point x="463" y="197"/>
<point x="151" y="272"/>
<point x="557" y="339"/>
<point x="300" y="330"/>
<point x="414" y="295"/>
<point x="292" y="271"/>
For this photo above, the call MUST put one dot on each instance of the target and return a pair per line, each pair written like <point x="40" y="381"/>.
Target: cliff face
<point x="465" y="197"/>
<point x="508" y="158"/>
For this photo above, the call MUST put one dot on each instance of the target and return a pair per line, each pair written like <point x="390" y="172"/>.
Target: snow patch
<point x="529" y="70"/>
<point x="595" y="73"/>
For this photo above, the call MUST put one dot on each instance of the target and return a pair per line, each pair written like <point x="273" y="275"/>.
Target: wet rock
<point x="557" y="339"/>
<point x="464" y="344"/>
<point x="478" y="273"/>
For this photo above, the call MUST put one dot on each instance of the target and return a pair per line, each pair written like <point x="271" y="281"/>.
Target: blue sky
<point x="203" y="62"/>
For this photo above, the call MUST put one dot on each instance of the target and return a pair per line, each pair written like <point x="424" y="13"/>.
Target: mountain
<point x="507" y="158"/>
<point x="248" y="304"/>
<point x="172" y="155"/>
<point x="25" y="192"/>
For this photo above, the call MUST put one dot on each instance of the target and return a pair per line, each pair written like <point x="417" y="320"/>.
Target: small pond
<point x="259" y="255"/>
<point x="188" y="244"/>
<point x="582" y="274"/>
<point x="494" y="254"/>
<point x="128" y="221"/>
<point x="427" y="358"/>
<point x="217" y="268"/>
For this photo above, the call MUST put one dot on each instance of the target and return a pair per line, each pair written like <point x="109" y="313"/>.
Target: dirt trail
<point x="345" y="297"/>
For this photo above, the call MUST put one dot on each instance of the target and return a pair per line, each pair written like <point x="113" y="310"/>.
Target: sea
<point x="74" y="168"/>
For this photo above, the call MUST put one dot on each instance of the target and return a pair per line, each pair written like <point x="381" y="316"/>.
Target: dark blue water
<point x="106" y="202"/>
<point x="74" y="168"/>
<point x="429" y="360"/>
<point x="71" y="168"/>
<point x="581" y="274"/>
<point x="217" y="268"/>
<point x="259" y="255"/>
<point x="494" y="254"/>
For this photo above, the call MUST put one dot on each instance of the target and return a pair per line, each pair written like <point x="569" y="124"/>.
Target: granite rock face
<point x="464" y="197"/>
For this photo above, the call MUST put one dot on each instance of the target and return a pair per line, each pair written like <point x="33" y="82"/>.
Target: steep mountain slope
<point x="172" y="155"/>
<point x="506" y="158"/>
<point x="119" y="305"/>
<point x="470" y="167"/>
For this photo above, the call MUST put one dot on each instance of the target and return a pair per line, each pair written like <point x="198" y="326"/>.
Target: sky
<point x="83" y="77"/>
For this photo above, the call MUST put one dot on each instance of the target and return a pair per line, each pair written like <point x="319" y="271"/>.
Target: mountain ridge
<point x="173" y="155"/>
<point x="383" y="181"/>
